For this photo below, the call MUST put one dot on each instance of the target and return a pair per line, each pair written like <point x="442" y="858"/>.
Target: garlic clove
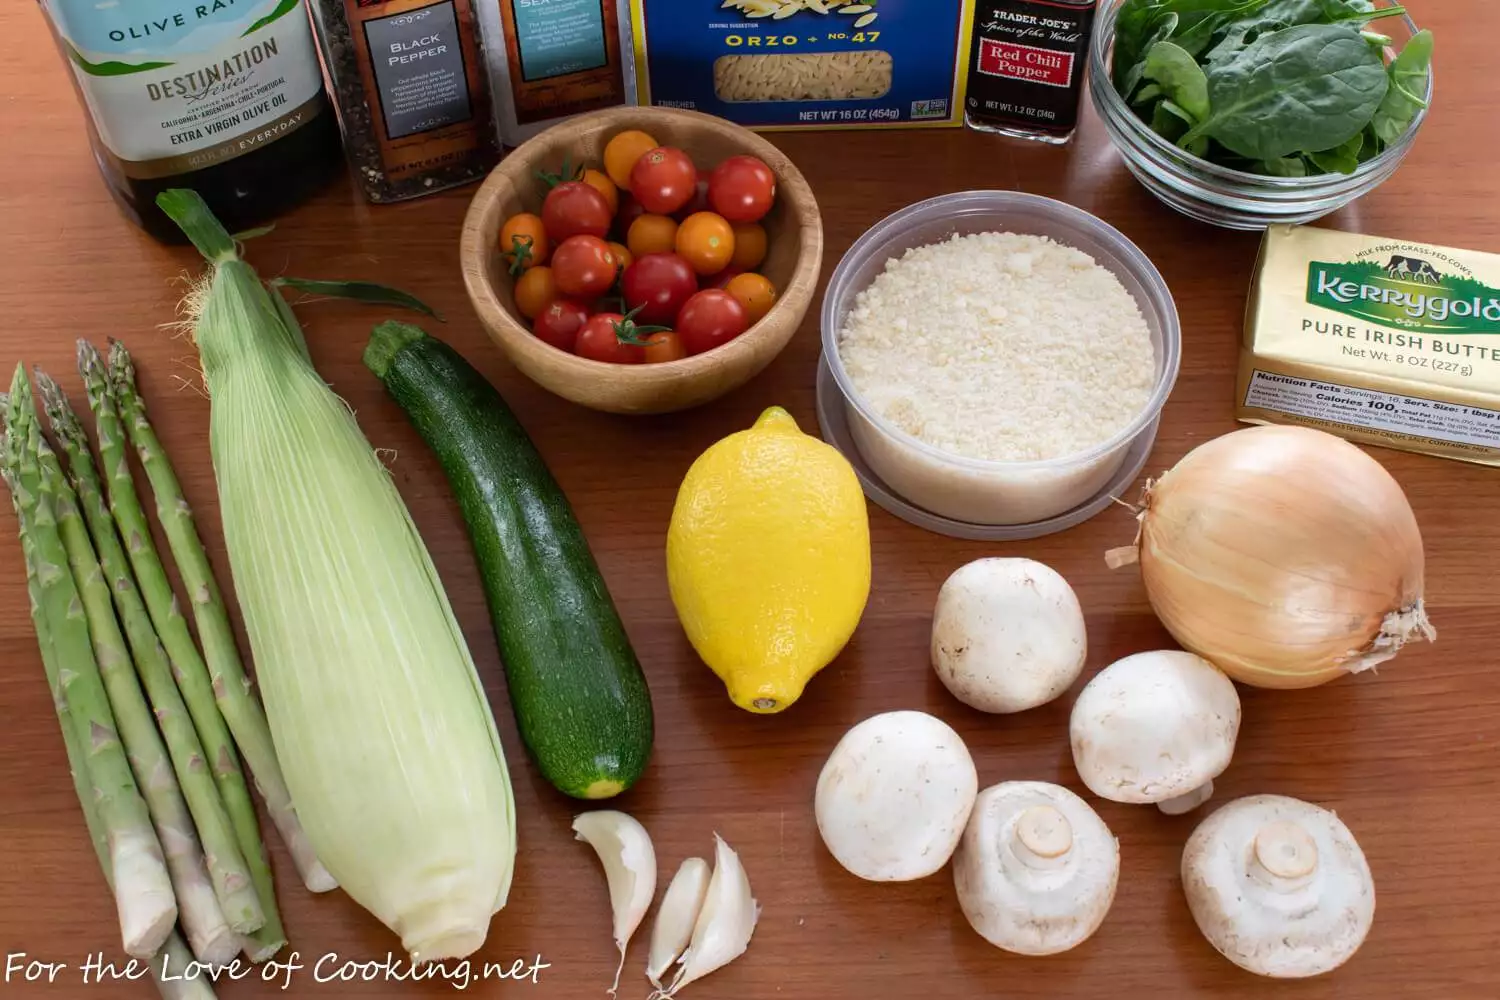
<point x="624" y="848"/>
<point x="725" y="923"/>
<point x="676" y="917"/>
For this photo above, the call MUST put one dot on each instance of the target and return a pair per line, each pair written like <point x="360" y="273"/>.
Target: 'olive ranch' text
<point x="181" y="19"/>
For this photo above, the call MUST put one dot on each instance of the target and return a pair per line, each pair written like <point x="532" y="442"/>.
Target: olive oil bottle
<point x="222" y="96"/>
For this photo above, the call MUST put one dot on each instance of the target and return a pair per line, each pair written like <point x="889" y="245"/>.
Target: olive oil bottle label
<point x="179" y="85"/>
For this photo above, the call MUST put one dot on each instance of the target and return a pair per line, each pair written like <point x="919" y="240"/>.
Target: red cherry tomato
<point x="742" y="189"/>
<point x="663" y="180"/>
<point x="630" y="210"/>
<point x="559" y="323"/>
<point x="710" y="319"/>
<point x="573" y="208"/>
<point x="605" y="338"/>
<point x="584" y="267"/>
<point x="657" y="285"/>
<point x="697" y="203"/>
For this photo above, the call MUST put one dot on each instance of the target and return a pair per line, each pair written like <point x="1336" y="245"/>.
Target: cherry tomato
<point x="559" y="323"/>
<point x="707" y="241"/>
<point x="697" y="203"/>
<point x="606" y="336"/>
<point x="749" y="246"/>
<point x="575" y="209"/>
<point x="657" y="285"/>
<point x="663" y="180"/>
<point x="584" y="267"/>
<point x="523" y="242"/>
<point x="753" y="291"/>
<point x="600" y="182"/>
<point x="623" y="257"/>
<point x="652" y="234"/>
<point x="630" y="210"/>
<point x="534" y="291"/>
<point x="710" y="319"/>
<point x="621" y="152"/>
<point x="742" y="189"/>
<point x="664" y="346"/>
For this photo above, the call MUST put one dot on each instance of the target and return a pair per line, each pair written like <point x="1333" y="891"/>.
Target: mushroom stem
<point x="1285" y="857"/>
<point x="1188" y="801"/>
<point x="1042" y="837"/>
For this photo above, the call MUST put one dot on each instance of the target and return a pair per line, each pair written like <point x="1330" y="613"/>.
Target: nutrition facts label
<point x="1385" y="411"/>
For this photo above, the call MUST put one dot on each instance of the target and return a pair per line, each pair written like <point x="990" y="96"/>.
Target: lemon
<point x="768" y="559"/>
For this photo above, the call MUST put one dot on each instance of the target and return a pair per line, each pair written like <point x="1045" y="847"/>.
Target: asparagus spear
<point x="174" y="954"/>
<point x="143" y="898"/>
<point x="204" y="919"/>
<point x="154" y="765"/>
<point x="115" y="400"/>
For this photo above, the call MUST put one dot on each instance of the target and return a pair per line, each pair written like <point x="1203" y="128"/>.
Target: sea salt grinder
<point x="1026" y="67"/>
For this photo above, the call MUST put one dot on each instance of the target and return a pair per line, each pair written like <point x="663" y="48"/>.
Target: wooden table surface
<point x="1408" y="757"/>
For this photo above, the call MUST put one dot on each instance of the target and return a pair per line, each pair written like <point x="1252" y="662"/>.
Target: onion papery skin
<point x="1285" y="556"/>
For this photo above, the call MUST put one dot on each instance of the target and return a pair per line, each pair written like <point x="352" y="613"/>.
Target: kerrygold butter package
<point x="1380" y="341"/>
<point x="777" y="64"/>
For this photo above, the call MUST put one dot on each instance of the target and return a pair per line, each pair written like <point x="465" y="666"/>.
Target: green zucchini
<point x="580" y="698"/>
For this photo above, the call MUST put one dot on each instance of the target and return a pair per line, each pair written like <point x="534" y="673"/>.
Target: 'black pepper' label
<point x="1026" y="64"/>
<point x="419" y="69"/>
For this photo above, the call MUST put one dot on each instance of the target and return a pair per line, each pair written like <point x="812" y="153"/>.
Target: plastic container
<point x="976" y="495"/>
<point x="1229" y="198"/>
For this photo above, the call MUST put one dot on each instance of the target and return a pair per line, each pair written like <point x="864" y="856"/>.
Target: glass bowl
<point x="974" y="495"/>
<point x="1219" y="195"/>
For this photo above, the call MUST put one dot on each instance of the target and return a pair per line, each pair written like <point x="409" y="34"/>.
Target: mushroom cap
<point x="1007" y="635"/>
<point x="894" y="796"/>
<point x="1279" y="886"/>
<point x="1036" y="869"/>
<point x="1154" y="726"/>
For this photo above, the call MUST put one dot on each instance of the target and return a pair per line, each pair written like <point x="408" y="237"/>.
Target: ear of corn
<point x="383" y="730"/>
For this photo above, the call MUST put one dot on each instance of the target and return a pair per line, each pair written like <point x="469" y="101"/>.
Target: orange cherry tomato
<point x="664" y="346"/>
<point x="523" y="242"/>
<point x="621" y="152"/>
<point x="753" y="291"/>
<point x="706" y="240"/>
<point x="749" y="246"/>
<point x="535" y="291"/>
<point x="651" y="234"/>
<point x="600" y="182"/>
<point x="622" y="253"/>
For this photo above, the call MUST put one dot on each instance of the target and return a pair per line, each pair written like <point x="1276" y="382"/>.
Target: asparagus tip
<point x="88" y="357"/>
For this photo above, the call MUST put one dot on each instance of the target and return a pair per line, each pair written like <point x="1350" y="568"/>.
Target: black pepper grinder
<point x="1026" y="67"/>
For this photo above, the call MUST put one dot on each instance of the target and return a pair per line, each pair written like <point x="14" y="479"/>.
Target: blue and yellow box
<point x="785" y="64"/>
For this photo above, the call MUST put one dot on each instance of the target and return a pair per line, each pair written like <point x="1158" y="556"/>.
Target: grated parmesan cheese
<point x="1001" y="347"/>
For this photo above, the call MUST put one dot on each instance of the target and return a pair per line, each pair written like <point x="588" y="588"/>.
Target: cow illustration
<point x="1412" y="269"/>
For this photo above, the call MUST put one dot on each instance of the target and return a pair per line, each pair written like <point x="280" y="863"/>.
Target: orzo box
<point x="772" y="64"/>
<point x="1381" y="341"/>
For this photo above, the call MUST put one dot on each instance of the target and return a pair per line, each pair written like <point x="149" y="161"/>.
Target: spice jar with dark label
<point x="408" y="79"/>
<point x="1026" y="67"/>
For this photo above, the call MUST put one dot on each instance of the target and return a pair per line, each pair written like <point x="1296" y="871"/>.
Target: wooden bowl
<point x="795" y="253"/>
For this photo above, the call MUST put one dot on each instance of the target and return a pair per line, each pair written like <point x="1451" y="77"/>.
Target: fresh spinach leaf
<point x="1286" y="166"/>
<point x="1407" y="94"/>
<point x="1136" y="73"/>
<point x="1146" y="95"/>
<point x="1342" y="159"/>
<point x="1313" y="86"/>
<point x="1180" y="77"/>
<point x="1135" y="26"/>
<point x="1170" y="121"/>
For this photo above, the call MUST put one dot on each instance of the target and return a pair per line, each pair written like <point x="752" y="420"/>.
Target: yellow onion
<point x="1285" y="556"/>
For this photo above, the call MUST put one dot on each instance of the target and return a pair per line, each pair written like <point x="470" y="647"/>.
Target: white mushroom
<point x="1279" y="886"/>
<point x="1036" y="869"/>
<point x="1155" y="727"/>
<point x="894" y="796"/>
<point x="1007" y="635"/>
